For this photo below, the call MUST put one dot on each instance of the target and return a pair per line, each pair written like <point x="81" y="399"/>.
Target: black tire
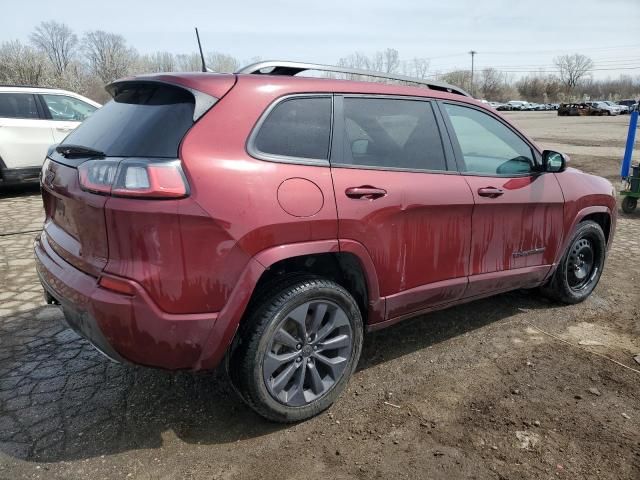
<point x="569" y="283"/>
<point x="266" y="321"/>
<point x="629" y="204"/>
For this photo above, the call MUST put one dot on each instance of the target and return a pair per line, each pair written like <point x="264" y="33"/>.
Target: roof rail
<point x="277" y="67"/>
<point x="27" y="86"/>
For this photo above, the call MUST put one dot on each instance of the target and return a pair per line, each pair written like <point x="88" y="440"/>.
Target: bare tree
<point x="157" y="62"/>
<point x="107" y="55"/>
<point x="58" y="42"/>
<point x="190" y="62"/>
<point x="573" y="68"/>
<point x="420" y="67"/>
<point x="462" y="78"/>
<point x="22" y="65"/>
<point x="493" y="84"/>
<point x="221" y="62"/>
<point x="391" y="60"/>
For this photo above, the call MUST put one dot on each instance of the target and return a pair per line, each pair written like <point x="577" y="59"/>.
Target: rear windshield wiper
<point x="69" y="151"/>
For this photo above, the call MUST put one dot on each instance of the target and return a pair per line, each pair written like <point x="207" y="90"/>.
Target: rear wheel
<point x="301" y="345"/>
<point x="629" y="204"/>
<point x="581" y="266"/>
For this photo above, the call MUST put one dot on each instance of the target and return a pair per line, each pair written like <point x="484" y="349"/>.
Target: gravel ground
<point x="507" y="387"/>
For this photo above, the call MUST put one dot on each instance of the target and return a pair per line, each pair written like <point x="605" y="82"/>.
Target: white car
<point x="606" y="107"/>
<point x="622" y="108"/>
<point x="32" y="119"/>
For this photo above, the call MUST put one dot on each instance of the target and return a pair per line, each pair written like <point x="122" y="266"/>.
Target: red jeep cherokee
<point x="271" y="219"/>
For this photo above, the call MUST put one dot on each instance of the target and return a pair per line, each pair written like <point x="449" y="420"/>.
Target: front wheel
<point x="629" y="204"/>
<point x="300" y="347"/>
<point x="580" y="267"/>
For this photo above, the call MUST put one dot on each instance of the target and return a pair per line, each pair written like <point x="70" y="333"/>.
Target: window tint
<point x="392" y="133"/>
<point x="67" y="108"/>
<point x="297" y="127"/>
<point x="487" y="145"/>
<point x="18" y="105"/>
<point x="142" y="120"/>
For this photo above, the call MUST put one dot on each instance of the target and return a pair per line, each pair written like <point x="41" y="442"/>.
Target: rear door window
<point x="298" y="127"/>
<point x="63" y="107"/>
<point x="18" y="105"/>
<point x="391" y="133"/>
<point x="142" y="120"/>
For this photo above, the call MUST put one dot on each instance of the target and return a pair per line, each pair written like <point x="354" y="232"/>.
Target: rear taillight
<point x="134" y="178"/>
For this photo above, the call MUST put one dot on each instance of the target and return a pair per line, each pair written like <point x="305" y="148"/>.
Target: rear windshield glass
<point x="142" y="120"/>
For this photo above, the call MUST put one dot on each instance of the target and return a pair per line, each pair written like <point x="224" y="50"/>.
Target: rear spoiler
<point x="203" y="102"/>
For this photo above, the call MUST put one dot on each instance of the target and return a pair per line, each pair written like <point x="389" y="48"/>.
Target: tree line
<point x="55" y="56"/>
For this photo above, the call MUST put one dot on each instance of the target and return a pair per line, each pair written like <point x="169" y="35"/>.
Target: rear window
<point x="142" y="120"/>
<point x="297" y="127"/>
<point x="18" y="105"/>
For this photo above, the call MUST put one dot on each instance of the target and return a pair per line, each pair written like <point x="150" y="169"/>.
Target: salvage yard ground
<point x="509" y="387"/>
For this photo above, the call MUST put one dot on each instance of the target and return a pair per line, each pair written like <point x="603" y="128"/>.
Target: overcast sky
<point x="512" y="35"/>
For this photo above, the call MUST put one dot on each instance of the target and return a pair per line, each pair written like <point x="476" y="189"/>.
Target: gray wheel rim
<point x="307" y="353"/>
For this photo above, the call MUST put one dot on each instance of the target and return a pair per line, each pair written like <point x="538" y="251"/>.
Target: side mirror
<point x="554" y="161"/>
<point x="360" y="147"/>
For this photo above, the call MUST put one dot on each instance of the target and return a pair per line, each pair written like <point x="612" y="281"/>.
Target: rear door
<point x="398" y="194"/>
<point x="24" y="134"/>
<point x="517" y="219"/>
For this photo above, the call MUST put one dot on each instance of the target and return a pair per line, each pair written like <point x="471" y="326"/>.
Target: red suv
<point x="269" y="220"/>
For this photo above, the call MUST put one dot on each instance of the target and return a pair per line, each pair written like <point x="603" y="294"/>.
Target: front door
<point x="517" y="220"/>
<point x="398" y="194"/>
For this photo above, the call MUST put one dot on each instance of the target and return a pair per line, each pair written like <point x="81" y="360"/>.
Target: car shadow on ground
<point x="21" y="190"/>
<point x="61" y="400"/>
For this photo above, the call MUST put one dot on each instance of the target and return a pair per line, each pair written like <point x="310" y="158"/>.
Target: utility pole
<point x="473" y="53"/>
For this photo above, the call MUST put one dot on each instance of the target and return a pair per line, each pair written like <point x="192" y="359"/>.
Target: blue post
<point x="628" y="149"/>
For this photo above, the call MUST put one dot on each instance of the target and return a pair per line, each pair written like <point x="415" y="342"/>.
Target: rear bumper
<point x="127" y="327"/>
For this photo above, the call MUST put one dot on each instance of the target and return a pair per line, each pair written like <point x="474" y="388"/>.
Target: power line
<point x="520" y="52"/>
<point x="625" y="62"/>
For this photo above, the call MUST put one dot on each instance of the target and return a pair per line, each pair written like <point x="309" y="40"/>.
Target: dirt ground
<point x="512" y="387"/>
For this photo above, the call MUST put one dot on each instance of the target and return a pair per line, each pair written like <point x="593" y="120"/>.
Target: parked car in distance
<point x="495" y="104"/>
<point x="578" y="109"/>
<point x="269" y="220"/>
<point x="624" y="109"/>
<point x="517" y="104"/>
<point x="605" y="108"/>
<point x="504" y="107"/>
<point x="631" y="103"/>
<point x="32" y="119"/>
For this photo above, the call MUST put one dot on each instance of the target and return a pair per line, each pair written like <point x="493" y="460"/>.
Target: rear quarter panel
<point x="238" y="194"/>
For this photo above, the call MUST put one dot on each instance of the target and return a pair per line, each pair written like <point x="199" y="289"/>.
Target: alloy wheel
<point x="308" y="352"/>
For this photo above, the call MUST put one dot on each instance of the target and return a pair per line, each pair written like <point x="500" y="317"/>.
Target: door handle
<point x="490" y="192"/>
<point x="370" y="193"/>
<point x="64" y="129"/>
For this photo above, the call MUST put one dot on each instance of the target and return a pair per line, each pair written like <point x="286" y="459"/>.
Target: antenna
<point x="204" y="66"/>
